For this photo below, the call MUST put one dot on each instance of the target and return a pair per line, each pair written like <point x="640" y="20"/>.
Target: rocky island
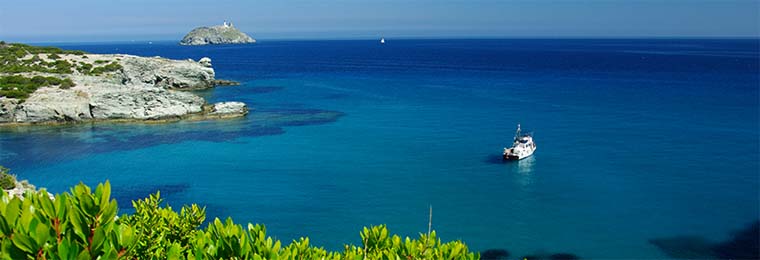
<point x="221" y="34"/>
<point x="50" y="85"/>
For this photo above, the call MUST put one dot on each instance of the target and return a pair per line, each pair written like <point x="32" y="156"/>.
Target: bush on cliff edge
<point x="7" y="181"/>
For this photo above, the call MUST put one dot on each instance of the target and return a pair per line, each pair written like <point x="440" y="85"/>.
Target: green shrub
<point x="11" y="59"/>
<point x="7" y="181"/>
<point x="67" y="83"/>
<point x="82" y="224"/>
<point x="76" y="225"/>
<point x="111" y="67"/>
<point x="62" y="67"/>
<point x="153" y="223"/>
<point x="85" y="68"/>
<point x="21" y="87"/>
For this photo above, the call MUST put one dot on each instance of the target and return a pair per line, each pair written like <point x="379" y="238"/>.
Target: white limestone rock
<point x="166" y="73"/>
<point x="205" y="61"/>
<point x="7" y="109"/>
<point x="53" y="104"/>
<point x="229" y="108"/>
<point x="142" y="103"/>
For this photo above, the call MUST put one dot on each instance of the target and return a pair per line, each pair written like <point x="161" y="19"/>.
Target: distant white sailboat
<point x="382" y="40"/>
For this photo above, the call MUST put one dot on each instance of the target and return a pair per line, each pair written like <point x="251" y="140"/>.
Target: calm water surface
<point x="637" y="139"/>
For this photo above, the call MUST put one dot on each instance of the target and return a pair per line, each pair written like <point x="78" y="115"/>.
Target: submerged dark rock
<point x="564" y="256"/>
<point x="744" y="244"/>
<point x="689" y="247"/>
<point x="494" y="254"/>
<point x="124" y="195"/>
<point x="64" y="142"/>
<point x="530" y="257"/>
<point x="224" y="82"/>
<point x="265" y="89"/>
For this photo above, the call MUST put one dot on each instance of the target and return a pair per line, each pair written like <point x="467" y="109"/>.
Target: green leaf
<point x="105" y="192"/>
<point x="174" y="252"/>
<point x="61" y="202"/>
<point x="42" y="233"/>
<point x="12" y="211"/>
<point x="46" y="204"/>
<point x="25" y="243"/>
<point x="108" y="213"/>
<point x="84" y="255"/>
<point x="109" y="253"/>
<point x="98" y="240"/>
<point x="5" y="229"/>
<point x="87" y="205"/>
<point x="64" y="248"/>
<point x="126" y="235"/>
<point x="78" y="225"/>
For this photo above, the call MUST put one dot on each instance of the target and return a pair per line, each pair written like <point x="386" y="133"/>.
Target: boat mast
<point x="517" y="134"/>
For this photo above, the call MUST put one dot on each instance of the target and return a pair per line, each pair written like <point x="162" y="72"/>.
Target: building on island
<point x="227" y="24"/>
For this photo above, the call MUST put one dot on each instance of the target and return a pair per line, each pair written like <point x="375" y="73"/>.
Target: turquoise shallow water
<point x="637" y="139"/>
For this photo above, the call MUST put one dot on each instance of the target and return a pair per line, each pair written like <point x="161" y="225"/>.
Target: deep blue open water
<point x="637" y="140"/>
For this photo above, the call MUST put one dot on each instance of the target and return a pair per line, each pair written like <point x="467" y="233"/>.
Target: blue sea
<point x="638" y="139"/>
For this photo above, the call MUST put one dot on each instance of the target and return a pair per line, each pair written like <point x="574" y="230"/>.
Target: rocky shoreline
<point x="23" y="187"/>
<point x="133" y="89"/>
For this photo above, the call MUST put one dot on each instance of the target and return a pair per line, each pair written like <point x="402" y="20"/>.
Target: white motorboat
<point x="522" y="147"/>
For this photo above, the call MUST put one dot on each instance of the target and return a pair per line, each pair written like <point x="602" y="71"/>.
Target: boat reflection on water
<point x="525" y="170"/>
<point x="525" y="166"/>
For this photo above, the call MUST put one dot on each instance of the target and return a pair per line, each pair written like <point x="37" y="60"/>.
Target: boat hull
<point x="515" y="157"/>
<point x="508" y="157"/>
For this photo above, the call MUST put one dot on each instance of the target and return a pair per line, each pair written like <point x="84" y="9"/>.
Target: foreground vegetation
<point x="82" y="224"/>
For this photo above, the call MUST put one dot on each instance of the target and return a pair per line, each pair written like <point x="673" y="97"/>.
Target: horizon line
<point x="403" y="38"/>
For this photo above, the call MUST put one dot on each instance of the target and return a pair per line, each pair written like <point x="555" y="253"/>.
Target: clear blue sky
<point x="105" y="20"/>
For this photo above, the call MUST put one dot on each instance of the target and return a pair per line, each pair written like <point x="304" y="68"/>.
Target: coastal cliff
<point x="222" y="34"/>
<point x="48" y="85"/>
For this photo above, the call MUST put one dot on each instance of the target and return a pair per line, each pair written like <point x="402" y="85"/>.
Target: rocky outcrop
<point x="228" y="109"/>
<point x="142" y="103"/>
<point x="7" y="109"/>
<point x="52" y="104"/>
<point x="171" y="74"/>
<point x="205" y="62"/>
<point x="142" y="89"/>
<point x="21" y="188"/>
<point x="223" y="34"/>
